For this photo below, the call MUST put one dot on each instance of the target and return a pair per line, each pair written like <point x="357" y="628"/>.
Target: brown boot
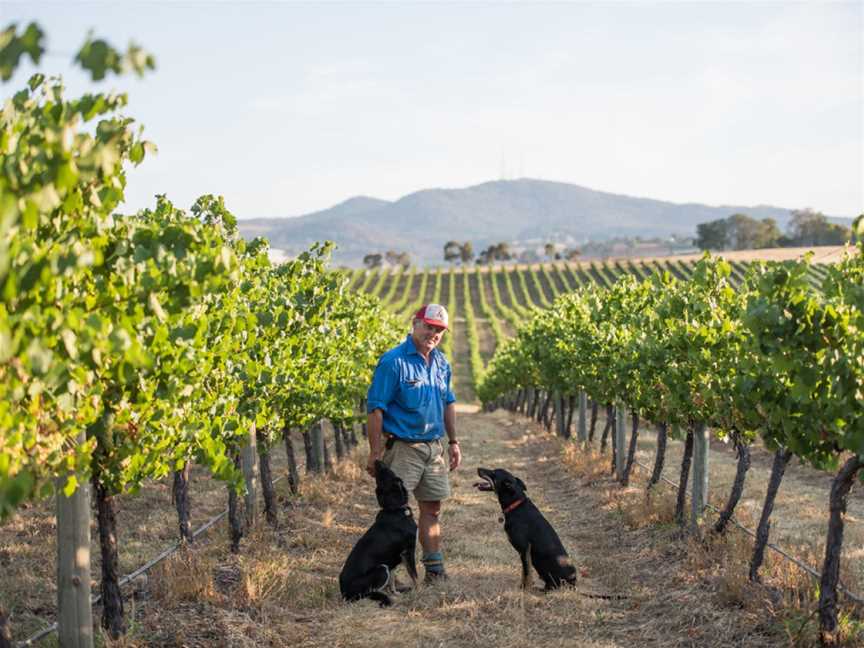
<point x="433" y="577"/>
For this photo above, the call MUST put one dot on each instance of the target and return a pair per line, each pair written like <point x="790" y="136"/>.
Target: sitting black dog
<point x="390" y="541"/>
<point x="528" y="531"/>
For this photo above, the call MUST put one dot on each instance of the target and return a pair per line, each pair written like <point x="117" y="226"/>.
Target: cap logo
<point x="436" y="312"/>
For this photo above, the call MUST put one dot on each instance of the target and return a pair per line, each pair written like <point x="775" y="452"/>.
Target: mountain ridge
<point x="500" y="210"/>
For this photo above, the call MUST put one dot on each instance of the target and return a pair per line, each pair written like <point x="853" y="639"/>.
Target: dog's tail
<point x="606" y="597"/>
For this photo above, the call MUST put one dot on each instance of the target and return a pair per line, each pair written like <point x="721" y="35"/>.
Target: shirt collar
<point x="409" y="346"/>
<point x="411" y="349"/>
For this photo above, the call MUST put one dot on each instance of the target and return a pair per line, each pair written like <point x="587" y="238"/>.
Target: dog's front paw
<point x="385" y="603"/>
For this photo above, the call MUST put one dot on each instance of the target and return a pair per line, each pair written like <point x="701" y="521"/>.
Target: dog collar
<point x="513" y="506"/>
<point x="406" y="510"/>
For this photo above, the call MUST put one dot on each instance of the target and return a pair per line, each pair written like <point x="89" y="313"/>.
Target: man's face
<point x="425" y="336"/>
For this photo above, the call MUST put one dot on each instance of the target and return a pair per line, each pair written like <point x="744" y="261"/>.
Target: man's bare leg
<point x="430" y="526"/>
<point x="430" y="539"/>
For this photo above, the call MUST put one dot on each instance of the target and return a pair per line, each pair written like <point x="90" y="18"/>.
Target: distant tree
<point x="394" y="258"/>
<point x="571" y="254"/>
<point x="808" y="227"/>
<point x="746" y="233"/>
<point x="501" y="251"/>
<point x="769" y="235"/>
<point x="712" y="235"/>
<point x="836" y="234"/>
<point x="858" y="229"/>
<point x="372" y="260"/>
<point x="452" y="251"/>
<point x="785" y="241"/>
<point x="549" y="250"/>
<point x="740" y="229"/>
<point x="466" y="252"/>
<point x="805" y="225"/>
<point x="497" y="252"/>
<point x="737" y="232"/>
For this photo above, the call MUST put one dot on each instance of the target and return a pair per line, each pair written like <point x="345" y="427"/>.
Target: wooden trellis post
<point x="582" y="429"/>
<point x="620" y="432"/>
<point x="316" y="437"/>
<point x="560" y="415"/>
<point x="701" y="449"/>
<point x="74" y="612"/>
<point x="249" y="465"/>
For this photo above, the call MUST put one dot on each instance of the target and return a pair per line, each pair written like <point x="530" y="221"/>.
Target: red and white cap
<point x="433" y="314"/>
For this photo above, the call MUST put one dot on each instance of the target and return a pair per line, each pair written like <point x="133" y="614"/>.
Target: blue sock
<point x="433" y="562"/>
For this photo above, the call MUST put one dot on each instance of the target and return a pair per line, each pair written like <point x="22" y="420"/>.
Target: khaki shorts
<point x="423" y="467"/>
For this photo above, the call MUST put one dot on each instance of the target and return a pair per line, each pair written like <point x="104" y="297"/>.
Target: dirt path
<point x="289" y="596"/>
<point x="482" y="604"/>
<point x="282" y="589"/>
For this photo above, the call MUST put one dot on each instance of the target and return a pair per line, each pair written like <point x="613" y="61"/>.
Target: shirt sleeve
<point x="450" y="397"/>
<point x="382" y="391"/>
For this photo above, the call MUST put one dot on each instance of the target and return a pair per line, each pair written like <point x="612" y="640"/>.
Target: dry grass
<point x="821" y="254"/>
<point x="185" y="577"/>
<point x="799" y="522"/>
<point x="146" y="524"/>
<point x="782" y="611"/>
<point x="281" y="589"/>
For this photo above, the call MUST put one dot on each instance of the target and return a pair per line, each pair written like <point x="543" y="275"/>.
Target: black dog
<point x="390" y="541"/>
<point x="528" y="531"/>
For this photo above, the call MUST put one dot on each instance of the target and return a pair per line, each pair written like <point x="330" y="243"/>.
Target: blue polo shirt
<point x="411" y="393"/>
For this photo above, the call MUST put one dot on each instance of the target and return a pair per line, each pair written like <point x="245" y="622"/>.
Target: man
<point x="410" y="406"/>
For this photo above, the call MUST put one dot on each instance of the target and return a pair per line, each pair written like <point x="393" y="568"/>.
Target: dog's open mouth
<point x="488" y="483"/>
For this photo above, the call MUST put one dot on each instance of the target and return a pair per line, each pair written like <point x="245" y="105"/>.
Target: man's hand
<point x="370" y="463"/>
<point x="450" y="427"/>
<point x="455" y="456"/>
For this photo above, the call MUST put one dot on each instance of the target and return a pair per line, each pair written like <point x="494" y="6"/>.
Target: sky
<point x="287" y="108"/>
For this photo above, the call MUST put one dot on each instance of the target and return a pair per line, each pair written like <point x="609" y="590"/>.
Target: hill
<point x="505" y="210"/>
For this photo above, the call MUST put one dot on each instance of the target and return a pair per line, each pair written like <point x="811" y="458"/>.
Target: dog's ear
<point x="511" y="484"/>
<point x="521" y="484"/>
